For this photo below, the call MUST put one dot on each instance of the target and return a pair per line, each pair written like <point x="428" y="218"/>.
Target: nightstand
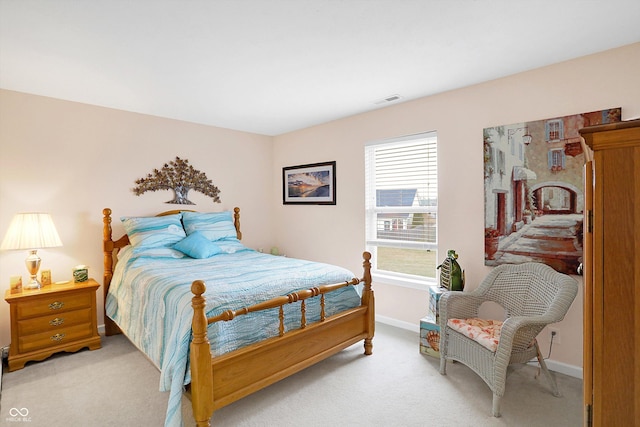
<point x="57" y="317"/>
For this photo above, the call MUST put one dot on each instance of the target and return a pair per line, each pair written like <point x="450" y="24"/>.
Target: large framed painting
<point x="309" y="184"/>
<point x="534" y="190"/>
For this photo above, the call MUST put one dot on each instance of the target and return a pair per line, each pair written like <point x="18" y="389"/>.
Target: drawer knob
<point x="57" y="337"/>
<point x="56" y="322"/>
<point x="57" y="305"/>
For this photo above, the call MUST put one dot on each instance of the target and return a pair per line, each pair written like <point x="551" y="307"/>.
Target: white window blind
<point x="402" y="204"/>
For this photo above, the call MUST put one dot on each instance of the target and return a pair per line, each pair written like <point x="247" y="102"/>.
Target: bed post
<point x="236" y="222"/>
<point x="369" y="302"/>
<point x="200" y="354"/>
<point x="107" y="246"/>
<point x="110" y="328"/>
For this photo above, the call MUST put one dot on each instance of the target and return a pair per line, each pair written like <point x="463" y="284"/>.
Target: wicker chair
<point x="533" y="295"/>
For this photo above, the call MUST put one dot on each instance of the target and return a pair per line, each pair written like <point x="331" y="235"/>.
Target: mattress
<point x="150" y="300"/>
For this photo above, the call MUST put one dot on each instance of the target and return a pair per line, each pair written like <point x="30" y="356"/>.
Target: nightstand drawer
<point x="60" y="336"/>
<point x="54" y="322"/>
<point x="53" y="304"/>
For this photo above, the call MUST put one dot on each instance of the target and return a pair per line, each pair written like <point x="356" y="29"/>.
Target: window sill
<point x="405" y="282"/>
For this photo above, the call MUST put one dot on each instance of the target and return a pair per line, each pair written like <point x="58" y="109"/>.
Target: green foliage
<point x="488" y="163"/>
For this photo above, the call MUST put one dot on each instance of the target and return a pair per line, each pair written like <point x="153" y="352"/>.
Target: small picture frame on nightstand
<point x="45" y="277"/>
<point x="16" y="284"/>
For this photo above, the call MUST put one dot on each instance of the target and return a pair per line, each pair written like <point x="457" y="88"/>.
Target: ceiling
<point x="273" y="66"/>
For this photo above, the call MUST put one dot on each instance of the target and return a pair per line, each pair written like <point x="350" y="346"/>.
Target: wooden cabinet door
<point x="616" y="314"/>
<point x="612" y="275"/>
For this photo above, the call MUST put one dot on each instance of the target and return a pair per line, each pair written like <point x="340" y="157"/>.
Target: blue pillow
<point x="196" y="245"/>
<point x="214" y="226"/>
<point x="155" y="231"/>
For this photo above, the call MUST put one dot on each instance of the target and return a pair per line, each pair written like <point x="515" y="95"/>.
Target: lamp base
<point x="33" y="284"/>
<point x="33" y="265"/>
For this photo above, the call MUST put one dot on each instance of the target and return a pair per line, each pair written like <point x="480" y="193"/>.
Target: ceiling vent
<point x="390" y="98"/>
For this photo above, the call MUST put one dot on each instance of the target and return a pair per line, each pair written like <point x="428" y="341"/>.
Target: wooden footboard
<point x="219" y="381"/>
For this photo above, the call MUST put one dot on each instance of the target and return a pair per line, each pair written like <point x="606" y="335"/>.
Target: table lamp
<point x="31" y="231"/>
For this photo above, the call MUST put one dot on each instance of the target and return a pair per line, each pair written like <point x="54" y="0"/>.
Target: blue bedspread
<point x="150" y="300"/>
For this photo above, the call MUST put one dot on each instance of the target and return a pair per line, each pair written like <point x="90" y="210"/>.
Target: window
<point x="556" y="159"/>
<point x="554" y="130"/>
<point x="401" y="208"/>
<point x="520" y="151"/>
<point x="501" y="162"/>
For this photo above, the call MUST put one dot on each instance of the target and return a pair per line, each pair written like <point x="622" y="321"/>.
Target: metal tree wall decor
<point x="178" y="175"/>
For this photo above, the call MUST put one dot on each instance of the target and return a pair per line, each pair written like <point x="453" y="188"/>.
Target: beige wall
<point x="72" y="160"/>
<point x="608" y="79"/>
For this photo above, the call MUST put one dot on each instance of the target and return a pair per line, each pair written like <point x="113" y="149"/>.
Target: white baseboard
<point x="562" y="368"/>
<point x="398" y="323"/>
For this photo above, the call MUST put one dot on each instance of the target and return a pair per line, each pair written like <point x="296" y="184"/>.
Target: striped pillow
<point x="214" y="226"/>
<point x="154" y="232"/>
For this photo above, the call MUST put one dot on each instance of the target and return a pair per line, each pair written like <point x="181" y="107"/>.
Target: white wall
<point x="608" y="79"/>
<point x="72" y="160"/>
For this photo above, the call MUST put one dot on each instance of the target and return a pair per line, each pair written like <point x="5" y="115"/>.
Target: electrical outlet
<point x="555" y="335"/>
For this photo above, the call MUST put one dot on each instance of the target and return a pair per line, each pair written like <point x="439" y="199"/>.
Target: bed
<point x="224" y="325"/>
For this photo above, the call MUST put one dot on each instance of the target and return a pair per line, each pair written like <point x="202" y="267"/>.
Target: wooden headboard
<point x="109" y="246"/>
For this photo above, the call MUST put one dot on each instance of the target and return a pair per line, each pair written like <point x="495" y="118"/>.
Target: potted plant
<point x="491" y="241"/>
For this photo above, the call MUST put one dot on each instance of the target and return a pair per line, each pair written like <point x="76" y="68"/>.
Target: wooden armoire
<point x="611" y="368"/>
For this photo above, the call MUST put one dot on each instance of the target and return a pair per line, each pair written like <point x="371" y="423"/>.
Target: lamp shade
<point x="31" y="231"/>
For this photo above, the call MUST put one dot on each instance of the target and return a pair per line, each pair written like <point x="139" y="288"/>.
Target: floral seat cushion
<point x="485" y="332"/>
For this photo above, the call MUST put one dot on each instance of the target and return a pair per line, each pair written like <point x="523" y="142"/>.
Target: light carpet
<point x="396" y="386"/>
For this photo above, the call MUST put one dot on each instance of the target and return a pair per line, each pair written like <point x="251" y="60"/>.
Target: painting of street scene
<point x="534" y="190"/>
<point x="309" y="184"/>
